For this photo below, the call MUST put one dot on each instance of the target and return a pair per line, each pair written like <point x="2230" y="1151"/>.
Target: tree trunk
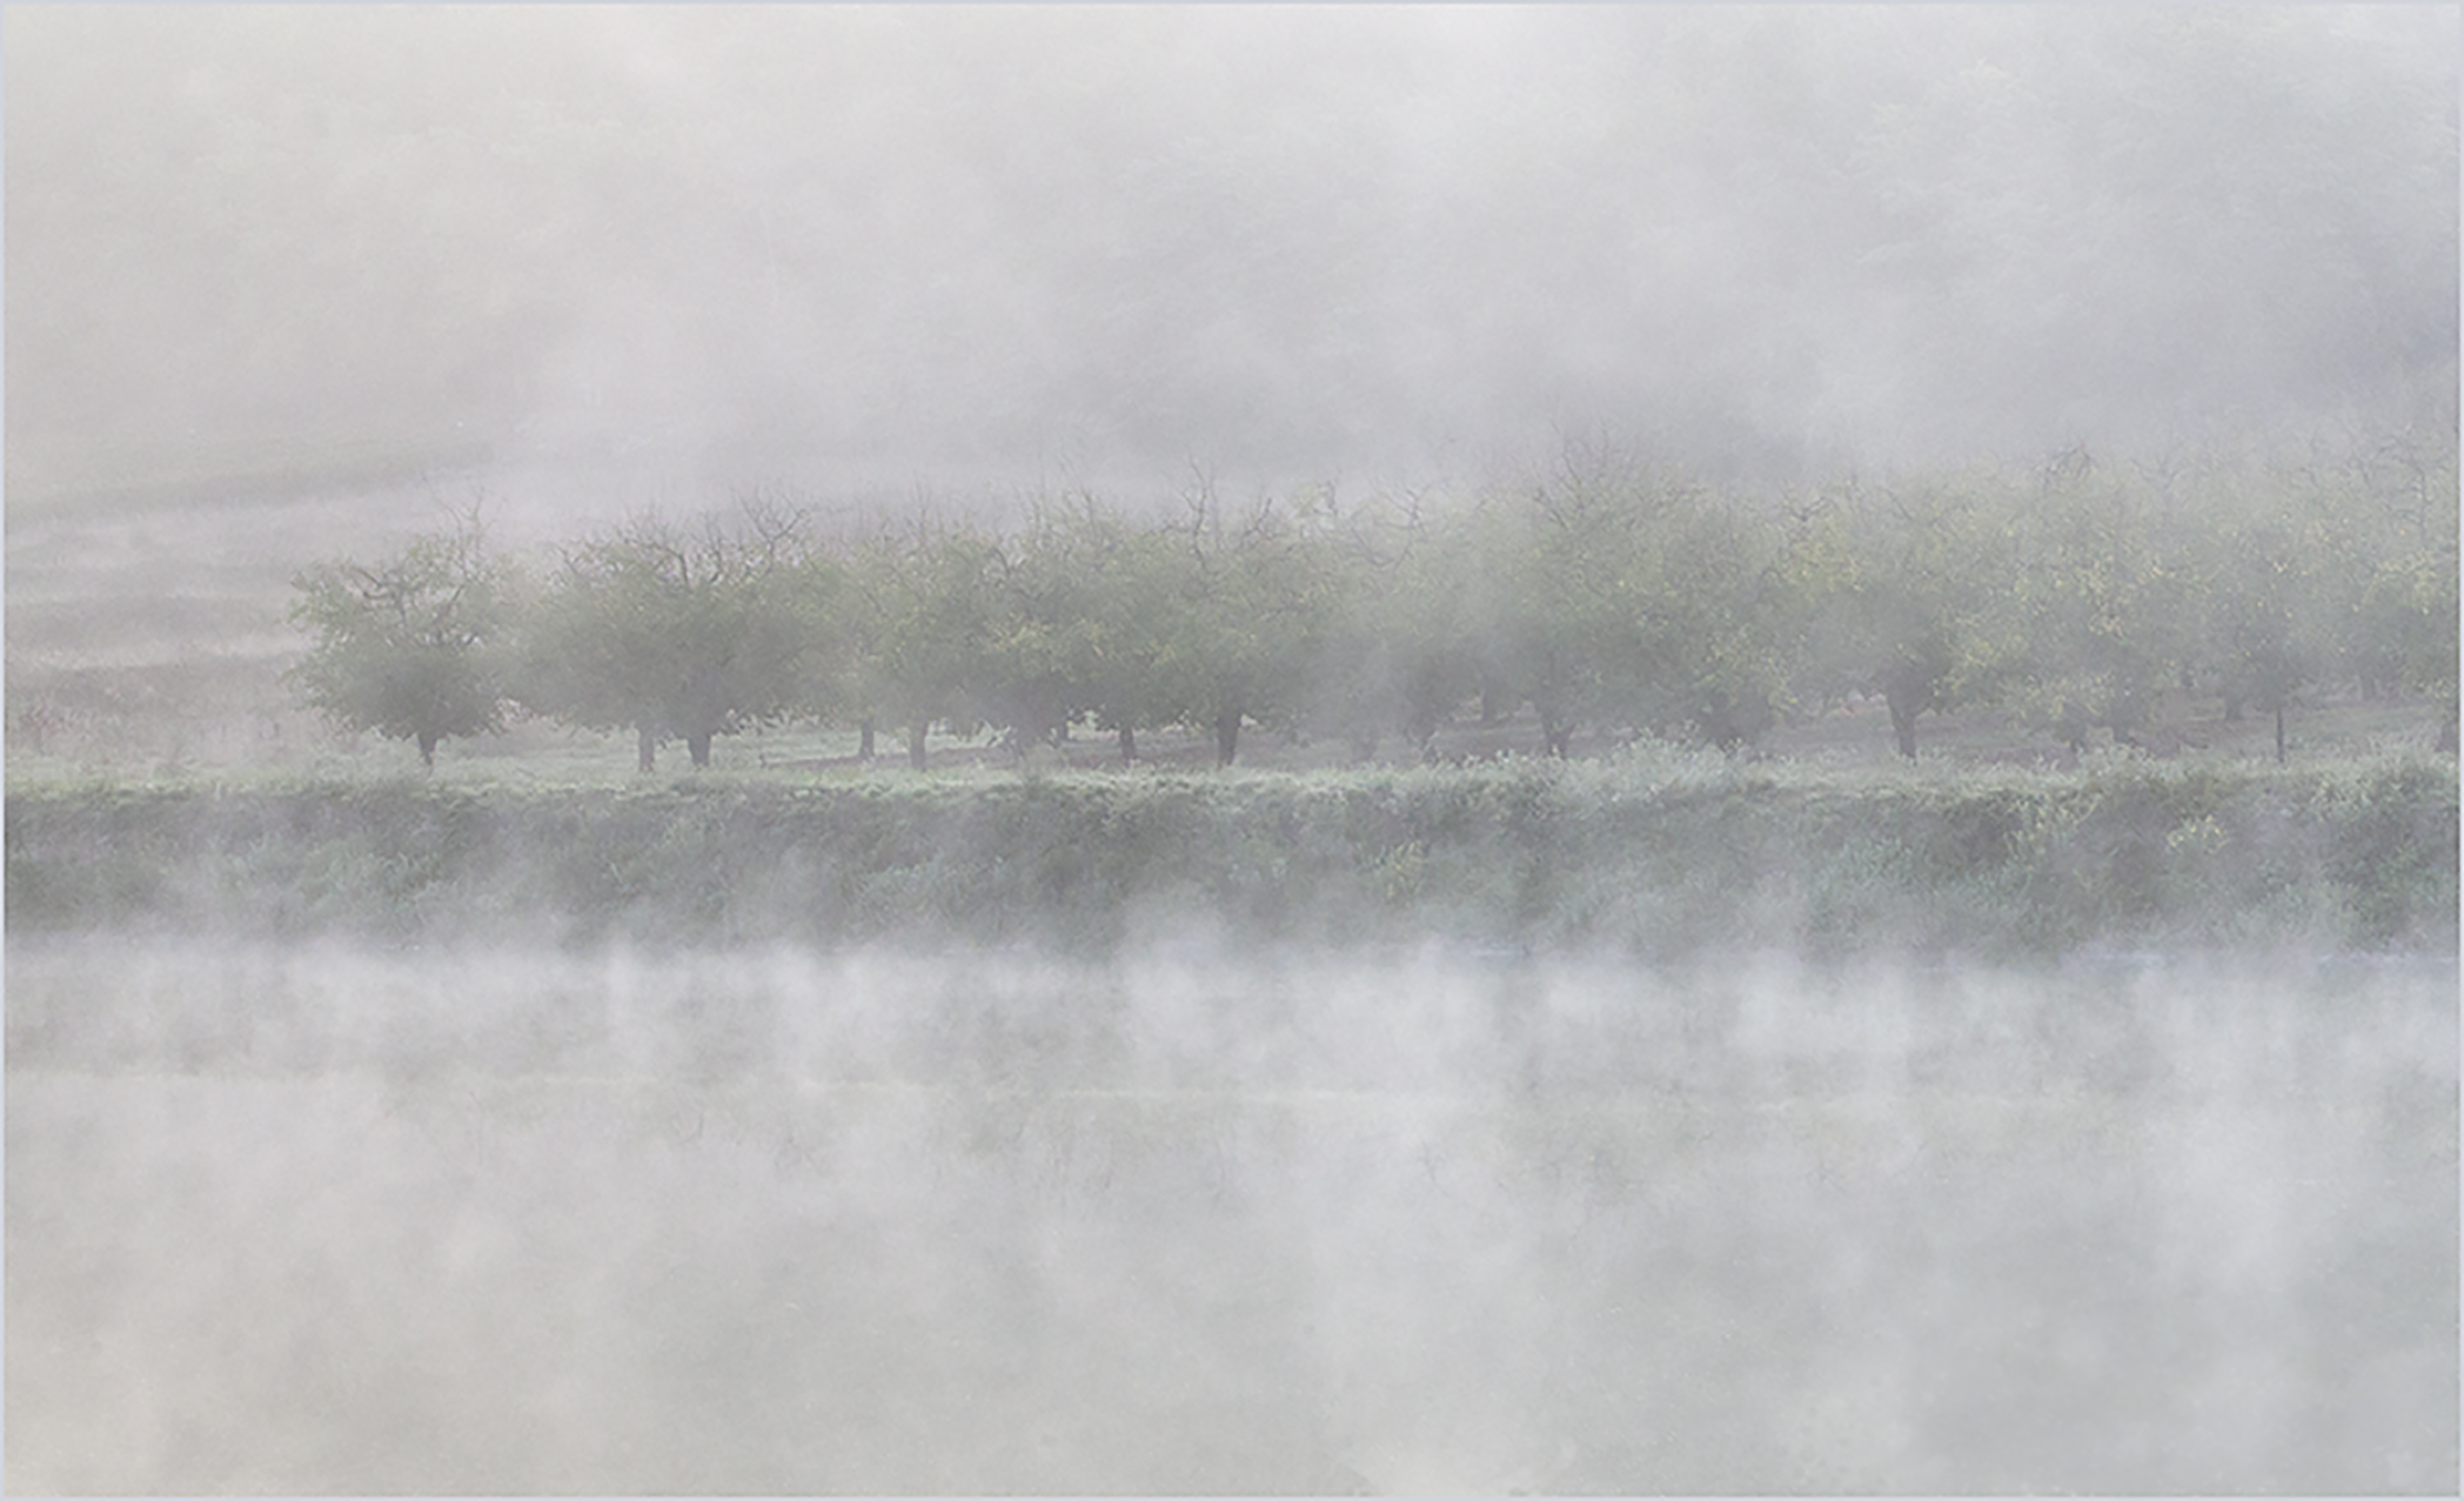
<point x="915" y="744"/>
<point x="698" y="743"/>
<point x="649" y="748"/>
<point x="1903" y="730"/>
<point x="1227" y="735"/>
<point x="1555" y="739"/>
<point x="1906" y="706"/>
<point x="428" y="749"/>
<point x="2446" y="729"/>
<point x="2280" y="731"/>
<point x="864" y="738"/>
<point x="1128" y="743"/>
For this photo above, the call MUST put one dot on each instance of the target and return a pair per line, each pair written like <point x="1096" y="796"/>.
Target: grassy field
<point x="230" y="718"/>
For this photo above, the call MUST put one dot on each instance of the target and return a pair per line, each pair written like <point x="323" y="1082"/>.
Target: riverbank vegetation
<point x="1657" y="850"/>
<point x="1610" y="709"/>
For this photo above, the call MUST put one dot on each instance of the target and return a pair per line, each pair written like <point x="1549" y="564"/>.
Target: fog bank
<point x="683" y="247"/>
<point x="324" y="1218"/>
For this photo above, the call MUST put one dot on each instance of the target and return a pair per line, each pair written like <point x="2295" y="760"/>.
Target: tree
<point x="1554" y="605"/>
<point x="1399" y="654"/>
<point x="1096" y="604"/>
<point x="674" y="634"/>
<point x="2285" y="574"/>
<point x="2403" y="620"/>
<point x="2258" y="635"/>
<point x="1041" y="630"/>
<point x="816" y="597"/>
<point x="2408" y="619"/>
<point x="1719" y="607"/>
<point x="406" y="647"/>
<point x="1625" y="593"/>
<point x="2101" y="617"/>
<point x="921" y="621"/>
<point x="1248" y="620"/>
<point x="1896" y="595"/>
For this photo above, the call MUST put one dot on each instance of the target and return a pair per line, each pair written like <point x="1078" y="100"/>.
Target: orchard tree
<point x="1400" y="653"/>
<point x="1128" y="667"/>
<point x="1098" y="607"/>
<point x="1617" y="592"/>
<point x="1718" y="608"/>
<point x="1251" y="596"/>
<point x="1928" y="569"/>
<point x="2101" y="618"/>
<point x="1815" y="603"/>
<point x="1041" y="632"/>
<point x="1553" y="606"/>
<point x="922" y="603"/>
<point x="407" y="648"/>
<point x="675" y="634"/>
<point x="2258" y="632"/>
<point x="2288" y="572"/>
<point x="2403" y="624"/>
<point x="814" y="594"/>
<point x="2409" y="614"/>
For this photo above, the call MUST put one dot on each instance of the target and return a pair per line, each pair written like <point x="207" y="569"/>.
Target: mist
<point x="1580" y="1041"/>
<point x="1181" y="1222"/>
<point x="846" y="250"/>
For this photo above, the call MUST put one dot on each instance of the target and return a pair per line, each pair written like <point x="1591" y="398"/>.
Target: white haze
<point x="332" y="1218"/>
<point x="666" y="250"/>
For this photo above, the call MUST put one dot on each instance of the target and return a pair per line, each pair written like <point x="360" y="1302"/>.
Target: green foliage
<point x="1126" y="671"/>
<point x="1091" y="630"/>
<point x="1398" y="652"/>
<point x="2101" y="619"/>
<point x="1614" y="596"/>
<point x="675" y="635"/>
<point x="927" y="604"/>
<point x="1564" y="614"/>
<point x="408" y="647"/>
<point x="1928" y="564"/>
<point x="1658" y="852"/>
<point x="1250" y="594"/>
<point x="1049" y="645"/>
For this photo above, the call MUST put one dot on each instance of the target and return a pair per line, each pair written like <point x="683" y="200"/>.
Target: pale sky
<point x="1110" y="244"/>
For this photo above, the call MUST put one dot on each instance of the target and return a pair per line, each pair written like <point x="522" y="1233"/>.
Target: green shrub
<point x="1657" y="853"/>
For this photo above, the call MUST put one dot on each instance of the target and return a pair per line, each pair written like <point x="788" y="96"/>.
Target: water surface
<point x="339" y="1218"/>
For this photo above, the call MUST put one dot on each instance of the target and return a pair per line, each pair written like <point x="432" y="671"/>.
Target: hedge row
<point x="1652" y="859"/>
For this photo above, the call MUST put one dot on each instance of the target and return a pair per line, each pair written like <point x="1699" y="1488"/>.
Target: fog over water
<point x="332" y="1218"/>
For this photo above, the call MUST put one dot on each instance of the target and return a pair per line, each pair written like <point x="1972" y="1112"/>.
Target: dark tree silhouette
<point x="404" y="648"/>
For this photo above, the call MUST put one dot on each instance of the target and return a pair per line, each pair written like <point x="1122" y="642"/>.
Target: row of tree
<point x="1608" y="594"/>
